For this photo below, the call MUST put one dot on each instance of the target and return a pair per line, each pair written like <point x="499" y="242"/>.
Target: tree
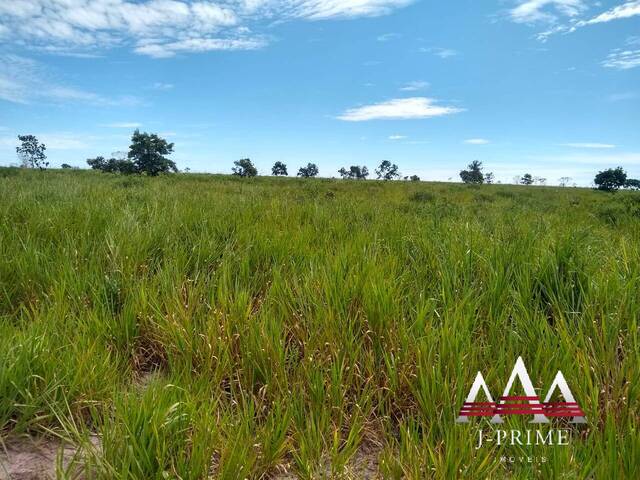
<point x="65" y="166"/>
<point x="414" y="178"/>
<point x="31" y="152"/>
<point x="540" y="181"/>
<point x="387" y="171"/>
<point x="112" y="165"/>
<point x="489" y="178"/>
<point x="355" y="172"/>
<point x="632" y="183"/>
<point x="611" y="179"/>
<point x="473" y="174"/>
<point x="526" y="179"/>
<point x="98" y="163"/>
<point x="244" y="168"/>
<point x="311" y="170"/>
<point x="564" y="181"/>
<point x="278" y="169"/>
<point x="147" y="152"/>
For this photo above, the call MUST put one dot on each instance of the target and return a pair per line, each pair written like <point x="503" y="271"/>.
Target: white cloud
<point x="162" y="86"/>
<point x="23" y="80"/>
<point x="165" y="50"/>
<point x="414" y="86"/>
<point x="162" y="28"/>
<point x="477" y="141"/>
<point x="324" y="9"/>
<point x="589" y="145"/>
<point x="626" y="10"/>
<point x="388" y="36"/>
<point x="531" y="11"/>
<point x="398" y="109"/>
<point x="122" y="125"/>
<point x="622" y="59"/>
<point x="397" y="137"/>
<point x="443" y="53"/>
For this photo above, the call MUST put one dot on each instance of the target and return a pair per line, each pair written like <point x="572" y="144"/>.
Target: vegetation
<point x="206" y="326"/>
<point x="611" y="179"/>
<point x="244" y="168"/>
<point x="473" y="174"/>
<point x="632" y="183"/>
<point x="279" y="169"/>
<point x="31" y="152"/>
<point x="310" y="171"/>
<point x="112" y="165"/>
<point x="147" y="152"/>
<point x="146" y="156"/>
<point x="564" y="181"/>
<point x="355" y="172"/>
<point x="387" y="171"/>
<point x="526" y="179"/>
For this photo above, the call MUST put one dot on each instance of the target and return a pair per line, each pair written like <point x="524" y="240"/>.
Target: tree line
<point x="148" y="155"/>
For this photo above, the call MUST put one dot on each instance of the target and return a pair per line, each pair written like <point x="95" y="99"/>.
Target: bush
<point x="112" y="165"/>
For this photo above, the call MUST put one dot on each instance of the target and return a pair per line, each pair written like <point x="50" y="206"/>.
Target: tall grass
<point x="205" y="325"/>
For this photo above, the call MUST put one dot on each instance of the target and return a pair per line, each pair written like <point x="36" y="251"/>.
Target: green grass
<point x="215" y="325"/>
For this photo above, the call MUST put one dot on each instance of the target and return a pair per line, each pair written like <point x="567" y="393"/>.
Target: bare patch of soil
<point x="30" y="458"/>
<point x="363" y="465"/>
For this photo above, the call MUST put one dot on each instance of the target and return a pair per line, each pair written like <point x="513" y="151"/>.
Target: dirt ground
<point x="40" y="459"/>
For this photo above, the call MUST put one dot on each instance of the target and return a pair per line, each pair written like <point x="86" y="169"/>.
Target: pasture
<point x="213" y="326"/>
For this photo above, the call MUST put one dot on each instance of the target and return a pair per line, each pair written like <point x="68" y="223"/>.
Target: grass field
<point x="241" y="328"/>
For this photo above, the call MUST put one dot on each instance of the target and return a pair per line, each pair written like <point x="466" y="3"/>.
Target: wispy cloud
<point x="23" y="80"/>
<point x="162" y="86"/>
<point x="170" y="49"/>
<point x="385" y="37"/>
<point x="532" y="11"/>
<point x="589" y="145"/>
<point x="163" y="28"/>
<point x="414" y="86"/>
<point x="477" y="141"/>
<point x="625" y="10"/>
<point x="443" y="53"/>
<point x="397" y="137"/>
<point x="399" y="109"/>
<point x="622" y="59"/>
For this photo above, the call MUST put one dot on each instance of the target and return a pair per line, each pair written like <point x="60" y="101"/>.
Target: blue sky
<point x="549" y="87"/>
